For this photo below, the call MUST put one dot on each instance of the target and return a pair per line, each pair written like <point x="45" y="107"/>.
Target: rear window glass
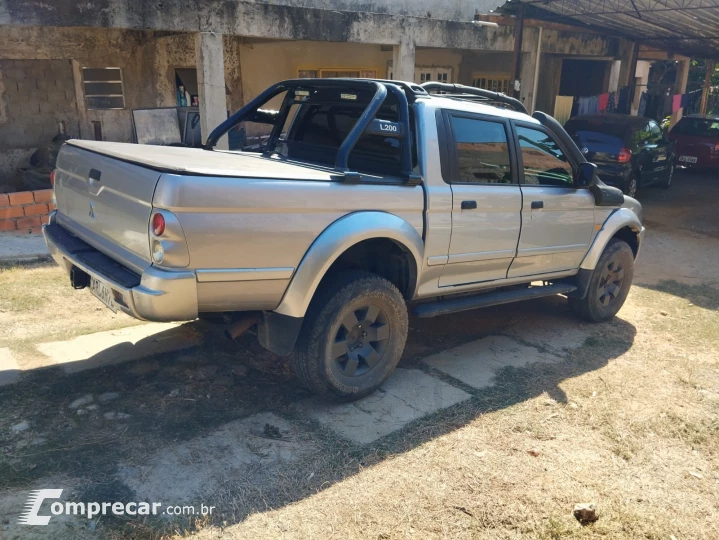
<point x="586" y="133"/>
<point x="318" y="129"/>
<point x="698" y="127"/>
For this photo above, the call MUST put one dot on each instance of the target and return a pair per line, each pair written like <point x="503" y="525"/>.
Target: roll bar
<point x="459" y="89"/>
<point x="381" y="88"/>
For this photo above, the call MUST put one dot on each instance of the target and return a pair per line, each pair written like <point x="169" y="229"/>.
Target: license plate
<point x="687" y="159"/>
<point x="103" y="293"/>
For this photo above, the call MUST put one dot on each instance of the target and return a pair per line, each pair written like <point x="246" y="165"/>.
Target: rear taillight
<point x="625" y="155"/>
<point x="52" y="178"/>
<point x="716" y="148"/>
<point x="158" y="224"/>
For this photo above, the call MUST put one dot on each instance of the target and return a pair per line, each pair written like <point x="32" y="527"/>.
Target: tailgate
<point x="693" y="146"/>
<point x="107" y="203"/>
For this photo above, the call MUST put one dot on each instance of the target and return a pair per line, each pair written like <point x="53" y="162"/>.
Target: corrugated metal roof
<point x="689" y="27"/>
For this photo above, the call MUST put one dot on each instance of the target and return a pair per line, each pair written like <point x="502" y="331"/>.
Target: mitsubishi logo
<point x="92" y="211"/>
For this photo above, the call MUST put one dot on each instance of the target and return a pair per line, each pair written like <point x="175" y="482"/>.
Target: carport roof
<point x="688" y="27"/>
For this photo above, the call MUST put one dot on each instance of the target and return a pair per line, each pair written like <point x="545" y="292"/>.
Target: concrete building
<point x="81" y="68"/>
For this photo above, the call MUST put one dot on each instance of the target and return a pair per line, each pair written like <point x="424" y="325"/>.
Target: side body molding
<point x="623" y="217"/>
<point x="335" y="240"/>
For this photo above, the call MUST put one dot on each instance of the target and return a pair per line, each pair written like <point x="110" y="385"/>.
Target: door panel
<point x="555" y="237"/>
<point x="486" y="200"/>
<point x="660" y="152"/>
<point x="557" y="218"/>
<point x="484" y="240"/>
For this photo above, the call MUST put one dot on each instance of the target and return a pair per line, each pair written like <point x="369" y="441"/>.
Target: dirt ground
<point x="623" y="414"/>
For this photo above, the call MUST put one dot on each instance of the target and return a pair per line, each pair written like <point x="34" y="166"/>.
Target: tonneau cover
<point x="183" y="160"/>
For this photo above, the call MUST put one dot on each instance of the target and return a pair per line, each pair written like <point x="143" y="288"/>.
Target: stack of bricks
<point x="25" y="212"/>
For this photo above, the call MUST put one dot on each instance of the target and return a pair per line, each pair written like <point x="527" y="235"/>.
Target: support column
<point x="614" y="70"/>
<point x="403" y="59"/>
<point x="680" y="86"/>
<point x="530" y="70"/>
<point x="707" y="85"/>
<point x="517" y="56"/>
<point x="83" y="125"/>
<point x="210" y="61"/>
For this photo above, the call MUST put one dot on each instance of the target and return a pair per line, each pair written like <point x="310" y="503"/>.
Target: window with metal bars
<point x="103" y="88"/>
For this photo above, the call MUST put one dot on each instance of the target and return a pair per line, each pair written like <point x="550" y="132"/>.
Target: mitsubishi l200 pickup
<point x="341" y="205"/>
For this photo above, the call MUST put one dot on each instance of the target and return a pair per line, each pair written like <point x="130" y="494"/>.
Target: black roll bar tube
<point x="343" y="152"/>
<point x="471" y="90"/>
<point x="363" y="122"/>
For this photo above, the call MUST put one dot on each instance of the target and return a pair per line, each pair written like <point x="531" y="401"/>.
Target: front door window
<point x="545" y="164"/>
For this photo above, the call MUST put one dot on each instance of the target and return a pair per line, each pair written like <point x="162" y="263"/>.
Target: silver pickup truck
<point x="331" y="216"/>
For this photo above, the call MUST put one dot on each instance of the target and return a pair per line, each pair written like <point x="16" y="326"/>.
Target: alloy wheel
<point x="632" y="187"/>
<point x="361" y="340"/>
<point x="610" y="283"/>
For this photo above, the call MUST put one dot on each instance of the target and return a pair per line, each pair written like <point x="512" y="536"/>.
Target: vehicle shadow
<point x="227" y="412"/>
<point x="705" y="295"/>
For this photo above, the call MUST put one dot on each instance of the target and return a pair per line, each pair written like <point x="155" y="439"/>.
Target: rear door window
<point x="482" y="149"/>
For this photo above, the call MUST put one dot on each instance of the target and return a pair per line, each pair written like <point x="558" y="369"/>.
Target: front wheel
<point x="609" y="284"/>
<point x="353" y="336"/>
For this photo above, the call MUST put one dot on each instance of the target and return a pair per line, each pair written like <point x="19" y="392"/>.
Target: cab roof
<point x="457" y="103"/>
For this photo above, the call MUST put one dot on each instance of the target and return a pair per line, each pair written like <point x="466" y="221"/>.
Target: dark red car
<point x="696" y="139"/>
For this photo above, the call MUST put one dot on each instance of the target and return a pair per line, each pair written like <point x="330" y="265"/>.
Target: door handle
<point x="469" y="205"/>
<point x="536" y="205"/>
<point x="94" y="175"/>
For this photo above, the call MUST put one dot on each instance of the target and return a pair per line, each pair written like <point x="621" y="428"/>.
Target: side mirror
<point x="586" y="175"/>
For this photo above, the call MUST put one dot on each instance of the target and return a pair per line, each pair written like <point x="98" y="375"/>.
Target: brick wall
<point x="25" y="212"/>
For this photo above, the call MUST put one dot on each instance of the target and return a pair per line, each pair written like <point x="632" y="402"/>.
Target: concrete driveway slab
<point x="116" y="346"/>
<point x="476" y="363"/>
<point x="22" y="247"/>
<point x="9" y="369"/>
<point x="408" y="395"/>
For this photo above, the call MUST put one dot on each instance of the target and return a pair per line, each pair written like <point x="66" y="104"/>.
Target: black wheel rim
<point x="360" y="341"/>
<point x="610" y="283"/>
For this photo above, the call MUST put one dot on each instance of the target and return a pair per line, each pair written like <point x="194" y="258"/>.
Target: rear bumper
<point x="156" y="295"/>
<point x="614" y="175"/>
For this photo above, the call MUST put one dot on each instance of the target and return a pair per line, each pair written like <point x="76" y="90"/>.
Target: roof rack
<point x="366" y="121"/>
<point x="461" y="91"/>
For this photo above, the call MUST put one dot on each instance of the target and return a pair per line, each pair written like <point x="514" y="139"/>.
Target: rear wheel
<point x="631" y="185"/>
<point x="352" y="337"/>
<point x="609" y="285"/>
<point x="667" y="181"/>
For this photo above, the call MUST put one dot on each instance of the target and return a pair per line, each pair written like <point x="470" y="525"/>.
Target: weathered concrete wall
<point x="578" y="43"/>
<point x="549" y="78"/>
<point x="35" y="96"/>
<point x="482" y="62"/>
<point x="178" y="51"/>
<point x="455" y="10"/>
<point x="92" y="47"/>
<point x="256" y="20"/>
<point x="38" y="94"/>
<point x="265" y="63"/>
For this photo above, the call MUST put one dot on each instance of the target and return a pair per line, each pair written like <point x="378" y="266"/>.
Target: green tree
<point x="697" y="72"/>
